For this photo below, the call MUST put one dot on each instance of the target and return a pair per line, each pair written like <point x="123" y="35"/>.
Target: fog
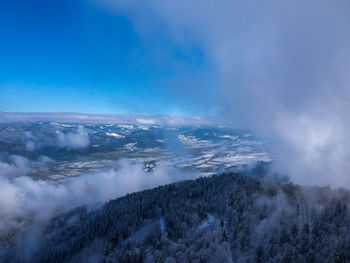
<point x="282" y="70"/>
<point x="25" y="201"/>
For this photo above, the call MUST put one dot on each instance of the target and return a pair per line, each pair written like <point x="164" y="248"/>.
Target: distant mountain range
<point x="64" y="117"/>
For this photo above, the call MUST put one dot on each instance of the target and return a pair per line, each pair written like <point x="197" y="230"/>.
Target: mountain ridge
<point x="224" y="218"/>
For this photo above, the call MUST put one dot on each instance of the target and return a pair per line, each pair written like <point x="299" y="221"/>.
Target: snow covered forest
<point x="223" y="218"/>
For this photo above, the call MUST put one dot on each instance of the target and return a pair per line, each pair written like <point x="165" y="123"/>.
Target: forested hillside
<point x="223" y="218"/>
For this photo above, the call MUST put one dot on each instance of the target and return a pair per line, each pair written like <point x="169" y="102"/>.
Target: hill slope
<point x="223" y="218"/>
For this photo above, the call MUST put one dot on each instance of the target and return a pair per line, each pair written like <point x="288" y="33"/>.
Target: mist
<point x="25" y="202"/>
<point x="74" y="140"/>
<point x="282" y="71"/>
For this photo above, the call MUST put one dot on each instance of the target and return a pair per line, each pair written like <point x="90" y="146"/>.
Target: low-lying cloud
<point x="74" y="140"/>
<point x="24" y="200"/>
<point x="15" y="165"/>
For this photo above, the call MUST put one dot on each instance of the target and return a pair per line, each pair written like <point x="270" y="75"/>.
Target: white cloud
<point x="74" y="140"/>
<point x="24" y="200"/>
<point x="16" y="166"/>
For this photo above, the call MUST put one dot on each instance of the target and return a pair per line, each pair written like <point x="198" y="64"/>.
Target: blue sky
<point x="280" y="68"/>
<point x="63" y="56"/>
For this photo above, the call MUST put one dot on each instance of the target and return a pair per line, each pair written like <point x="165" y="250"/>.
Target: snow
<point x="130" y="127"/>
<point x="233" y="138"/>
<point x="61" y="125"/>
<point x="56" y="177"/>
<point x="190" y="139"/>
<point x="130" y="145"/>
<point x="115" y="135"/>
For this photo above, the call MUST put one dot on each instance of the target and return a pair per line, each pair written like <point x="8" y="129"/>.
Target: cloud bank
<point x="25" y="201"/>
<point x="282" y="70"/>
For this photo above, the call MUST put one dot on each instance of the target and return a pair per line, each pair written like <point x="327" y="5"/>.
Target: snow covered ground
<point x="201" y="150"/>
